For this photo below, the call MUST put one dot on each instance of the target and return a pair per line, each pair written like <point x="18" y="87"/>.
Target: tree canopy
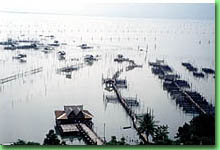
<point x="147" y="125"/>
<point x="161" y="135"/>
<point x="114" y="141"/>
<point x="200" y="130"/>
<point x="52" y="139"/>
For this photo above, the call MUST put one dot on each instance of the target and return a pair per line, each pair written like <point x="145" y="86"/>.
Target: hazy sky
<point x="112" y="9"/>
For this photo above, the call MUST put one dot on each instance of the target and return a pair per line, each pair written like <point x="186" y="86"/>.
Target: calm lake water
<point x="27" y="104"/>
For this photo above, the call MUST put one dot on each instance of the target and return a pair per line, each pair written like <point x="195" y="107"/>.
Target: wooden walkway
<point x="190" y="98"/>
<point x="131" y="101"/>
<point x="187" y="95"/>
<point x="123" y="102"/>
<point x="66" y="128"/>
<point x="130" y="113"/>
<point x="89" y="134"/>
<point x="20" y="75"/>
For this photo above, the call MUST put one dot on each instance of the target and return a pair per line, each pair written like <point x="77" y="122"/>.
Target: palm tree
<point x="161" y="135"/>
<point x="147" y="125"/>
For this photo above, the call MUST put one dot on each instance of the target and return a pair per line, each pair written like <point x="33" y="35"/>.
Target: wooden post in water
<point x="104" y="132"/>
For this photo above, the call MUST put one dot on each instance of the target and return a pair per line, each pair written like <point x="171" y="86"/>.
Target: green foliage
<point x="114" y="141"/>
<point x="200" y="130"/>
<point x="122" y="142"/>
<point x="147" y="125"/>
<point x="22" y="142"/>
<point x="52" y="139"/>
<point x="161" y="135"/>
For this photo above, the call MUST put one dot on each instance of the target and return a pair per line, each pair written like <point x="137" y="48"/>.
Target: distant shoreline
<point x="99" y="16"/>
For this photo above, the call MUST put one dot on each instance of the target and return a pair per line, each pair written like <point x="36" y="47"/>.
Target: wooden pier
<point x="71" y="68"/>
<point x="20" y="75"/>
<point x="132" y="65"/>
<point x="81" y="129"/>
<point x="74" y="120"/>
<point x="191" y="99"/>
<point x="110" y="82"/>
<point x="193" y="102"/>
<point x="130" y="113"/>
<point x="131" y="101"/>
<point x="90" y="136"/>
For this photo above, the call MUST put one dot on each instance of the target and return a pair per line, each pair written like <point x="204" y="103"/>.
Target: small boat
<point x="208" y="70"/>
<point x="19" y="56"/>
<point x="68" y="76"/>
<point x="55" y="43"/>
<point x="47" y="49"/>
<point x="31" y="46"/>
<point x="12" y="47"/>
<point x="189" y="67"/>
<point x="89" y="58"/>
<point x="62" y="53"/>
<point x="22" y="60"/>
<point x="185" y="64"/>
<point x="120" y="58"/>
<point x="70" y="68"/>
<point x="85" y="46"/>
<point x="198" y="74"/>
<point x="127" y="127"/>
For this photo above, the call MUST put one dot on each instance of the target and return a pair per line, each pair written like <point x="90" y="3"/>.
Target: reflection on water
<point x="27" y="104"/>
